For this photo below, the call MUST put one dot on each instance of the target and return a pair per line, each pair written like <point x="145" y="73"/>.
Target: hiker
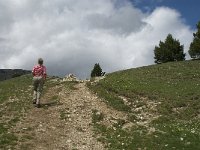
<point x="39" y="77"/>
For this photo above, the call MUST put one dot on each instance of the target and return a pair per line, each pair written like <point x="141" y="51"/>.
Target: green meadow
<point x="162" y="102"/>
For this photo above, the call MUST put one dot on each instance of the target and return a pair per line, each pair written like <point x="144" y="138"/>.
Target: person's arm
<point x="44" y="72"/>
<point x="33" y="71"/>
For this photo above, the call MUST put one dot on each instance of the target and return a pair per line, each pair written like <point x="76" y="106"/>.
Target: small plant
<point x="63" y="115"/>
<point x="132" y="117"/>
<point x="55" y="97"/>
<point x="79" y="129"/>
<point x="97" y="116"/>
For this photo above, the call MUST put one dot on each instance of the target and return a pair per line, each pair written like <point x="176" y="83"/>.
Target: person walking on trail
<point x="39" y="77"/>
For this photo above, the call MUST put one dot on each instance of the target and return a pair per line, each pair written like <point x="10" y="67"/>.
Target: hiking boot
<point x="38" y="105"/>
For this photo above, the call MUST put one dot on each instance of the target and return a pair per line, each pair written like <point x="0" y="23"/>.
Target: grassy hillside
<point x="15" y="102"/>
<point x="14" y="99"/>
<point x="161" y="101"/>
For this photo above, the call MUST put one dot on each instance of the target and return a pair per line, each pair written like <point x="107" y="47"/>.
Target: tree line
<point x="172" y="50"/>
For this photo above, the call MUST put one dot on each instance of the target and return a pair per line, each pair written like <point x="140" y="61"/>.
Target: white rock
<point x="68" y="141"/>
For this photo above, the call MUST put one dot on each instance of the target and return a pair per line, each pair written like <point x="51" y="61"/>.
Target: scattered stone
<point x="151" y="130"/>
<point x="68" y="141"/>
<point x="188" y="143"/>
<point x="127" y="126"/>
<point x="70" y="77"/>
<point x="113" y="121"/>
<point x="181" y="139"/>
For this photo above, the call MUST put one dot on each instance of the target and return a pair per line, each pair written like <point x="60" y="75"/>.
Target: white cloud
<point x="72" y="35"/>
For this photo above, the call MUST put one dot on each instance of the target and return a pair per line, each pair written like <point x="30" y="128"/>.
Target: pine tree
<point x="170" y="50"/>
<point x="194" y="50"/>
<point x="97" y="71"/>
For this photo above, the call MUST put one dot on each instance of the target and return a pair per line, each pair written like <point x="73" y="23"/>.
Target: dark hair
<point x="40" y="61"/>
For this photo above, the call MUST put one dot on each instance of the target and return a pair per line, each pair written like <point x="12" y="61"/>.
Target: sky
<point x="189" y="9"/>
<point x="72" y="35"/>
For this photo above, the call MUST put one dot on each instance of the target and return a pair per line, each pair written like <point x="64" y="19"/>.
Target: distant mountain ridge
<point x="6" y="74"/>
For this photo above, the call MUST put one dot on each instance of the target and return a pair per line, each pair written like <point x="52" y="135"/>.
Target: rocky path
<point x="65" y="124"/>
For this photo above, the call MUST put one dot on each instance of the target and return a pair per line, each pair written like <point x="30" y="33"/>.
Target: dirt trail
<point x="63" y="125"/>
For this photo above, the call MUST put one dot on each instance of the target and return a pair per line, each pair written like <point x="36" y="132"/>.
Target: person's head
<point x="40" y="61"/>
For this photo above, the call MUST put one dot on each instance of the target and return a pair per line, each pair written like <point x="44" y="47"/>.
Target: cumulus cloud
<point x="72" y="35"/>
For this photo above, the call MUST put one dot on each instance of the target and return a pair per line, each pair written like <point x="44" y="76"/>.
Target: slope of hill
<point x="154" y="107"/>
<point x="162" y="104"/>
